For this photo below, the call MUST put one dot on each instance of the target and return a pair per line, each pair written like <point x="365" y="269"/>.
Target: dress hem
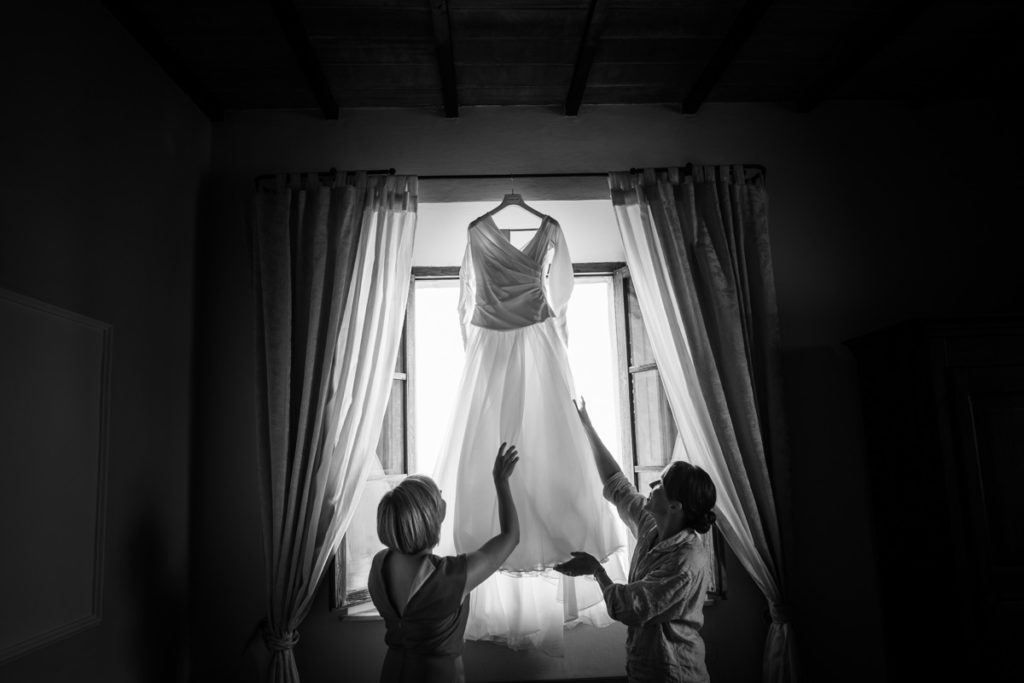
<point x="543" y="570"/>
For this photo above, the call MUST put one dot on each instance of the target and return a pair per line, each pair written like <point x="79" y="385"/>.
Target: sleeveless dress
<point x="425" y="640"/>
<point x="517" y="387"/>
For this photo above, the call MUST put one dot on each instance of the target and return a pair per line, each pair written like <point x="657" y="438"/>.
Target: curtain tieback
<point x="280" y="642"/>
<point x="779" y="612"/>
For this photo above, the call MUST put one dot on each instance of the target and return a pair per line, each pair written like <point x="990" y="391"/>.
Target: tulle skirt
<point x="516" y="387"/>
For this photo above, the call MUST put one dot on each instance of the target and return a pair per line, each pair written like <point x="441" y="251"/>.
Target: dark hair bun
<point x="703" y="523"/>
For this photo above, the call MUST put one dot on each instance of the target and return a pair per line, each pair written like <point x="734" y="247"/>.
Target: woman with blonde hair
<point x="423" y="597"/>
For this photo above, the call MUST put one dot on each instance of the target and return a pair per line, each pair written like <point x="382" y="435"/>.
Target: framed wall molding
<point x="55" y="377"/>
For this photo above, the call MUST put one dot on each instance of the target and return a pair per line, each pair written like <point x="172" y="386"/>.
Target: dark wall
<point x="906" y="215"/>
<point x="878" y="213"/>
<point x="100" y="184"/>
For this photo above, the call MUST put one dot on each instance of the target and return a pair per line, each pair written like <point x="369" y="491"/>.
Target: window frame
<point x="341" y="600"/>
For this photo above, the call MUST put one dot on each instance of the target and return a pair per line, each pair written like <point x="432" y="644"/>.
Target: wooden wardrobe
<point x="943" y="408"/>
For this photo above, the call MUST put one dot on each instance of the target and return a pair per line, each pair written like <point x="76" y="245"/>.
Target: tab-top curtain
<point x="697" y="249"/>
<point x="331" y="267"/>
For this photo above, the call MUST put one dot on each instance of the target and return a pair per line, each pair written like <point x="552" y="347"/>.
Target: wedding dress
<point x="516" y="387"/>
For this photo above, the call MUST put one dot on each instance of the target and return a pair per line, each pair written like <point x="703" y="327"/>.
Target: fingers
<point x="509" y="465"/>
<point x="511" y="456"/>
<point x="581" y="408"/>
<point x="506" y="460"/>
<point x="576" y="566"/>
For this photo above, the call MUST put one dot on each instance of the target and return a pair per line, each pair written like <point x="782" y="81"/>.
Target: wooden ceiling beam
<point x="291" y="23"/>
<point x="445" y="56"/>
<point x="849" y="60"/>
<point x="596" y="15"/>
<point x="126" y="13"/>
<point x="742" y="27"/>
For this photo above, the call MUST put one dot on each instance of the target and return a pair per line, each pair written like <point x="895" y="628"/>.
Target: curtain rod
<point x="500" y="176"/>
<point x="497" y="176"/>
<point x="504" y="176"/>
<point x="331" y="174"/>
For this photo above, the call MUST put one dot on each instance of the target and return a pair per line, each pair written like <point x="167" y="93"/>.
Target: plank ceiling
<point x="446" y="54"/>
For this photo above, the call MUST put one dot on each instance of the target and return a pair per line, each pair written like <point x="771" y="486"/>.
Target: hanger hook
<point x="512" y="179"/>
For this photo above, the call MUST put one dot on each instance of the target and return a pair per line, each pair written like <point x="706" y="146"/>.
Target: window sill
<point x="362" y="612"/>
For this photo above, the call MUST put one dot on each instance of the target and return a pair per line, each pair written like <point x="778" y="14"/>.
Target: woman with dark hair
<point x="663" y="602"/>
<point x="423" y="597"/>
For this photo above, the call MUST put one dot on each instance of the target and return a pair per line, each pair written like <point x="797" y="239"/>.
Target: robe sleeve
<point x="630" y="505"/>
<point x="654" y="599"/>
<point x="467" y="293"/>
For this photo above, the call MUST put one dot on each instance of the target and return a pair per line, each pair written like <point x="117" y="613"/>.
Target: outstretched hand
<point x="504" y="463"/>
<point x="581" y="408"/>
<point x="581" y="564"/>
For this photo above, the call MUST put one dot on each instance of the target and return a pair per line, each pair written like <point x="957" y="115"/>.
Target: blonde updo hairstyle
<point x="409" y="516"/>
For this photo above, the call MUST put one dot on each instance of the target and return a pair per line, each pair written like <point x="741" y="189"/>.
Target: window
<point x="621" y="383"/>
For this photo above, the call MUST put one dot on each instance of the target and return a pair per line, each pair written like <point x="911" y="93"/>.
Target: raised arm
<point x="606" y="465"/>
<point x="483" y="562"/>
<point x="618" y="490"/>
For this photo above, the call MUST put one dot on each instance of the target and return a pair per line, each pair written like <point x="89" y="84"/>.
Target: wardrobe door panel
<point x="989" y="417"/>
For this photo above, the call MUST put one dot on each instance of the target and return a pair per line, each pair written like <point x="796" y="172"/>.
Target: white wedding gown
<point x="516" y="387"/>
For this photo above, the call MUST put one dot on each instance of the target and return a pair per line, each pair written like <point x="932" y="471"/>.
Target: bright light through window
<point x="439" y="359"/>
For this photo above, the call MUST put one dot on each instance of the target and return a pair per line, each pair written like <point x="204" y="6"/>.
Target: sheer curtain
<point x="331" y="268"/>
<point x="697" y="248"/>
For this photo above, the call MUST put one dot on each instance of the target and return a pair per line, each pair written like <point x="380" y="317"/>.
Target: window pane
<point x="438" y="367"/>
<point x="640" y="352"/>
<point x="391" y="446"/>
<point x="644" y="479"/>
<point x="440" y="356"/>
<point x="655" y="429"/>
<point x="400" y="361"/>
<point x="592" y="355"/>
<point x="361" y="542"/>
